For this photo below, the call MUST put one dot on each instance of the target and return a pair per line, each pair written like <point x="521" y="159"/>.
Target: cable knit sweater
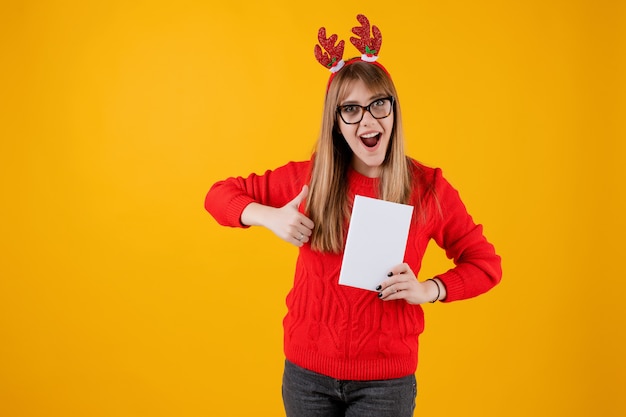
<point x="349" y="333"/>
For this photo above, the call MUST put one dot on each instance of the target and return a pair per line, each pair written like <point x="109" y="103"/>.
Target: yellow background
<point x="120" y="296"/>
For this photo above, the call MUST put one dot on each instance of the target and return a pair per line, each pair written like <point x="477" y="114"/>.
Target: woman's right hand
<point x="286" y="222"/>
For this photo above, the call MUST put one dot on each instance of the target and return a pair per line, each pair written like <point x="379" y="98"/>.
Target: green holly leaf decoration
<point x="369" y="51"/>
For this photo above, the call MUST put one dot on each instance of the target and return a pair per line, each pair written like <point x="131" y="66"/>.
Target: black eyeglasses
<point x="353" y="113"/>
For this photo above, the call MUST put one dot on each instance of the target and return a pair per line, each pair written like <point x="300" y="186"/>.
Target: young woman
<point x="353" y="352"/>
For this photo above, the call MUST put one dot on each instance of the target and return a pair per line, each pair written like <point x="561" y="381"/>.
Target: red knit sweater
<point x="349" y="333"/>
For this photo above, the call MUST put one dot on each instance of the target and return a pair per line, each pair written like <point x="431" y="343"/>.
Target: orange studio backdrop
<point x="120" y="296"/>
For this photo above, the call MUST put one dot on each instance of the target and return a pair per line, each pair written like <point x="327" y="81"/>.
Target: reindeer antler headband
<point x="369" y="46"/>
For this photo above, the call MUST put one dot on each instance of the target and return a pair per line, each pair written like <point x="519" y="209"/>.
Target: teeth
<point x="370" y="135"/>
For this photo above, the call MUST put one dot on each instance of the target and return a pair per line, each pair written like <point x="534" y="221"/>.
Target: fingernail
<point x="380" y="287"/>
<point x="390" y="274"/>
<point x="380" y="295"/>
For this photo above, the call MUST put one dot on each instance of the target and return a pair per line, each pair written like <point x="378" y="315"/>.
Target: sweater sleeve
<point x="227" y="199"/>
<point x="477" y="266"/>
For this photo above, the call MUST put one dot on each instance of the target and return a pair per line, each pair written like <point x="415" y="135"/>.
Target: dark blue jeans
<point x="309" y="394"/>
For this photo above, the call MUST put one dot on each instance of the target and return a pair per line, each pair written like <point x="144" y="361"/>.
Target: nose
<point x="367" y="115"/>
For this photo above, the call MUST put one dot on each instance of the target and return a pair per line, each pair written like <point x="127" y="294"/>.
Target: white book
<point x="376" y="241"/>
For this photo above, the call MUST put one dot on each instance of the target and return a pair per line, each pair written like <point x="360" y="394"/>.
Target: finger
<point x="296" y="226"/>
<point x="300" y="232"/>
<point x="306" y="222"/>
<point x="387" y="283"/>
<point x="399" y="269"/>
<point x="301" y="237"/>
<point x="296" y="241"/>
<point x="300" y="197"/>
<point x="393" y="292"/>
<point x="306" y="231"/>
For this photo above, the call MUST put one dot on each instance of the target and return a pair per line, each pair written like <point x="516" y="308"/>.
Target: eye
<point x="349" y="109"/>
<point x="379" y="103"/>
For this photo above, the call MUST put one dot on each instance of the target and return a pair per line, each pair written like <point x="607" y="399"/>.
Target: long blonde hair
<point x="328" y="204"/>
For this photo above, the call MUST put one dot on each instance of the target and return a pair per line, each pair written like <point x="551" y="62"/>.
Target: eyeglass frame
<point x="367" y="108"/>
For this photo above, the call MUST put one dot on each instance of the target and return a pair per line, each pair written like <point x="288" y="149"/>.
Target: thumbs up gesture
<point x="286" y="222"/>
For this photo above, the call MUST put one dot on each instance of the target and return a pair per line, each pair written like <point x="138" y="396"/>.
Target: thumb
<point x="300" y="197"/>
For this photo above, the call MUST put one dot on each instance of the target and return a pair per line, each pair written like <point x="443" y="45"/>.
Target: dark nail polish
<point x="380" y="295"/>
<point x="390" y="274"/>
<point x="380" y="287"/>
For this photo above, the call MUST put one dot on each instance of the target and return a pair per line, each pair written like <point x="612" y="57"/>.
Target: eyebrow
<point x="371" y="99"/>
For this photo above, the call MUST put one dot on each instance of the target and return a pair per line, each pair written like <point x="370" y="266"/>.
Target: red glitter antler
<point x="368" y="46"/>
<point x="333" y="57"/>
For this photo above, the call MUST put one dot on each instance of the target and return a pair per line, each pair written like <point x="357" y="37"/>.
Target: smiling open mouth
<point x="370" y="140"/>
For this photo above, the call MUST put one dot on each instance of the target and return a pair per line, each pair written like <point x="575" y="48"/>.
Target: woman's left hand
<point x="403" y="285"/>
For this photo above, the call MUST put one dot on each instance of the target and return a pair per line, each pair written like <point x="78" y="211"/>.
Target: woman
<point x="353" y="352"/>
